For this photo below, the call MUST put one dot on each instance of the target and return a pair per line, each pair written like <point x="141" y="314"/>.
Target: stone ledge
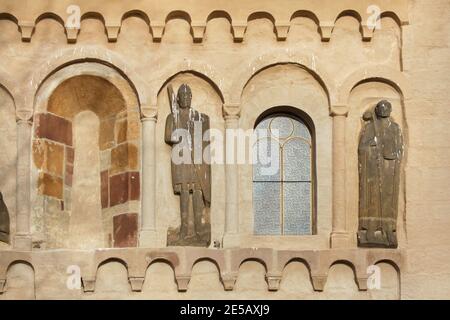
<point x="228" y="261"/>
<point x="198" y="12"/>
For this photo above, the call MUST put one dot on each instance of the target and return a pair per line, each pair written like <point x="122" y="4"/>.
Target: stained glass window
<point x="282" y="177"/>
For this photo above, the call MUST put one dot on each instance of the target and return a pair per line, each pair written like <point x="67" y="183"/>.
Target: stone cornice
<point x="27" y="13"/>
<point x="228" y="261"/>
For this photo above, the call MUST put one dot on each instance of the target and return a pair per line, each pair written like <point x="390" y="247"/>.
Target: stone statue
<point x="380" y="154"/>
<point x="4" y="221"/>
<point x="186" y="131"/>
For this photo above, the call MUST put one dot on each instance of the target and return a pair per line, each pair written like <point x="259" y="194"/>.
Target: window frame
<point x="298" y="115"/>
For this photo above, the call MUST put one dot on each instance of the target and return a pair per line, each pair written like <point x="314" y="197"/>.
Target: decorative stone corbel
<point x="112" y="31"/>
<point x="198" y="30"/>
<point x="239" y="30"/>
<point x="88" y="283"/>
<point x="318" y="281"/>
<point x="367" y="32"/>
<point x="282" y="29"/>
<point x="136" y="283"/>
<point x="183" y="282"/>
<point x="229" y="280"/>
<point x="72" y="34"/>
<point x="157" y="28"/>
<point x="361" y="281"/>
<point x="273" y="280"/>
<point x="326" y="28"/>
<point x="27" y="29"/>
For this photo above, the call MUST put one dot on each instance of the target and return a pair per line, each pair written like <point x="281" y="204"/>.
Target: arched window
<point x="283" y="175"/>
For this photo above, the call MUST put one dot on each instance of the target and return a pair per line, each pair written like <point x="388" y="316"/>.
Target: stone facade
<point x="100" y="87"/>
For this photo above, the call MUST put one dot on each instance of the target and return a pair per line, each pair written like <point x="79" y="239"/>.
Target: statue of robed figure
<point x="380" y="154"/>
<point x="187" y="132"/>
<point x="4" y="221"/>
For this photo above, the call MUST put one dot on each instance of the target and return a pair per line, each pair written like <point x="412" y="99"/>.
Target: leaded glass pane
<point x="266" y="203"/>
<point x="266" y="160"/>
<point x="297" y="160"/>
<point x="297" y="208"/>
<point x="282" y="192"/>
<point x="281" y="127"/>
<point x="301" y="130"/>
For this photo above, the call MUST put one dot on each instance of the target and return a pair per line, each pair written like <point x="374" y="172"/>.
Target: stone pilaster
<point x="231" y="236"/>
<point x="22" y="240"/>
<point x="340" y="237"/>
<point x="147" y="234"/>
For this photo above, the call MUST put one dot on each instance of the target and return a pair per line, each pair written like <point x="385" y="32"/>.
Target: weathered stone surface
<point x="93" y="93"/>
<point x="53" y="128"/>
<point x="243" y="61"/>
<point x="124" y="157"/>
<point x="105" y="188"/>
<point x="125" y="230"/>
<point x="48" y="156"/>
<point x="69" y="175"/>
<point x="50" y="185"/>
<point x="106" y="138"/>
<point x="124" y="187"/>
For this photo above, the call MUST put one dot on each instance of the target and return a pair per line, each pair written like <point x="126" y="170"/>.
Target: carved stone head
<point x="184" y="96"/>
<point x="383" y="109"/>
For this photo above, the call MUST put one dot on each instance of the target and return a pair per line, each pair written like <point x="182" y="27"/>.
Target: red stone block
<point x="69" y="175"/>
<point x="135" y="186"/>
<point x="105" y="189"/>
<point x="124" y="187"/>
<point x="118" y="189"/>
<point x="54" y="128"/>
<point x="70" y="155"/>
<point x="125" y="228"/>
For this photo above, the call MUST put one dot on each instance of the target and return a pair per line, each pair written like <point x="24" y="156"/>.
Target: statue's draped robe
<point x="198" y="173"/>
<point x="4" y="222"/>
<point x="380" y="152"/>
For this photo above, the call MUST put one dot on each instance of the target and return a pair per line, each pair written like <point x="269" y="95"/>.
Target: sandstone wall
<point x="242" y="65"/>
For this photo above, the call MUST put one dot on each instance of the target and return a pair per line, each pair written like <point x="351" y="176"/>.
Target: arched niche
<point x="112" y="280"/>
<point x="341" y="283"/>
<point x="260" y="29"/>
<point x="218" y="29"/>
<point x="159" y="281"/>
<point x="389" y="282"/>
<point x="85" y="160"/>
<point x="10" y="32"/>
<point x="8" y="157"/>
<point x="363" y="96"/>
<point x="20" y="282"/>
<point x="288" y="87"/>
<point x="205" y="278"/>
<point x="296" y="279"/>
<point x="251" y="278"/>
<point x="205" y="99"/>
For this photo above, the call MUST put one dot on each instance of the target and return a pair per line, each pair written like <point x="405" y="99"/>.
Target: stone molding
<point x="228" y="261"/>
<point x="156" y="14"/>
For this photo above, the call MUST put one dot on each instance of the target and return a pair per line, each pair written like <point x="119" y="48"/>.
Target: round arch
<point x="73" y="56"/>
<point x="205" y="72"/>
<point x="280" y="57"/>
<point x="392" y="77"/>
